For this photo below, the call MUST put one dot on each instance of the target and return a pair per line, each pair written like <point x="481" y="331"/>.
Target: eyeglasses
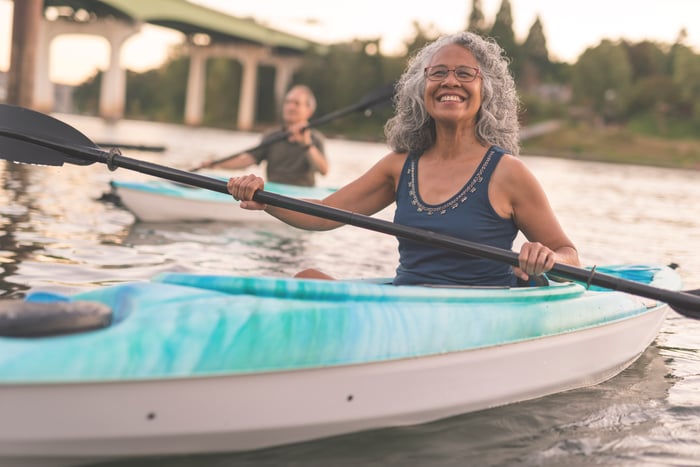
<point x="464" y="74"/>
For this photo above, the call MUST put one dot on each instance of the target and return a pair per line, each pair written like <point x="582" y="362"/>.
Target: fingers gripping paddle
<point x="60" y="143"/>
<point x="370" y="101"/>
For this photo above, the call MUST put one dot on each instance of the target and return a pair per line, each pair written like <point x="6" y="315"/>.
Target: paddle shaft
<point x="369" y="101"/>
<point x="683" y="302"/>
<point x="137" y="147"/>
<point x="678" y="300"/>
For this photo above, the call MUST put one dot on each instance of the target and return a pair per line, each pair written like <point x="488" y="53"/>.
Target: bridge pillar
<point x="246" y="103"/>
<point x="248" y="56"/>
<point x="113" y="91"/>
<point x="26" y="18"/>
<point x="113" y="88"/>
<point x="196" y="81"/>
<point x="44" y="89"/>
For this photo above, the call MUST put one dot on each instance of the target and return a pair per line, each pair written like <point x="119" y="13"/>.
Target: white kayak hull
<point x="243" y="412"/>
<point x="163" y="201"/>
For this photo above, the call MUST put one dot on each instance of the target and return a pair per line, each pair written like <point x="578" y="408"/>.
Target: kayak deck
<point x="182" y="325"/>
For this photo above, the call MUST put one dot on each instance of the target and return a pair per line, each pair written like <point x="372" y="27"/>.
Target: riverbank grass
<point x="615" y="144"/>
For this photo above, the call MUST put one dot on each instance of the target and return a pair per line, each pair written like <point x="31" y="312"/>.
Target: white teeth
<point x="451" y="98"/>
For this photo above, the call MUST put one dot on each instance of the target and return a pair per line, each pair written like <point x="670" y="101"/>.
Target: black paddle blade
<point x="16" y="122"/>
<point x="685" y="311"/>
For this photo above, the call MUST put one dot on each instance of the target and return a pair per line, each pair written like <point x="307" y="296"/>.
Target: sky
<point x="569" y="28"/>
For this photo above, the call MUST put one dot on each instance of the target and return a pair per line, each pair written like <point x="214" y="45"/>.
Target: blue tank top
<point x="467" y="215"/>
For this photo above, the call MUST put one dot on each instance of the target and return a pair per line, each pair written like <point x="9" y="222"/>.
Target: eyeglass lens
<point x="462" y="73"/>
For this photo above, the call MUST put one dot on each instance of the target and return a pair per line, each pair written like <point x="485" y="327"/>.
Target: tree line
<point x="651" y="87"/>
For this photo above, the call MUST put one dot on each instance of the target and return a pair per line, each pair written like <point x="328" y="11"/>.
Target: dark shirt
<point x="289" y="162"/>
<point x="467" y="215"/>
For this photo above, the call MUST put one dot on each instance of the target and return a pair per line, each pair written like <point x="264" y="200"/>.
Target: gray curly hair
<point x="412" y="129"/>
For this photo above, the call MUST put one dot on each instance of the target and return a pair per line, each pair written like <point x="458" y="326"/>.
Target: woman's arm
<point x="368" y="194"/>
<point x="518" y="194"/>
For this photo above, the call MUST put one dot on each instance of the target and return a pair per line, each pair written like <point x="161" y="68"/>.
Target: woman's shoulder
<point x="394" y="159"/>
<point x="513" y="174"/>
<point x="390" y="165"/>
<point x="506" y="158"/>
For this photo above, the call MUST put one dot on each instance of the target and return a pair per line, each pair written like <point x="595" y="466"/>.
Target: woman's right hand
<point x="243" y="188"/>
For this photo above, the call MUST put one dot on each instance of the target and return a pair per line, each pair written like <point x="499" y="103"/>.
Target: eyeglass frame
<point x="454" y="71"/>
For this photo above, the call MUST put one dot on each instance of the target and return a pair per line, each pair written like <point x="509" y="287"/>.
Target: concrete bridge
<point x="208" y="33"/>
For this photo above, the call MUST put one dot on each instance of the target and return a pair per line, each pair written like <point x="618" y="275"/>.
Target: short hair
<point x="310" y="98"/>
<point x="412" y="129"/>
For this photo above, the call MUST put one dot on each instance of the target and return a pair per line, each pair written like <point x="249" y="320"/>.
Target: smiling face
<point x="450" y="100"/>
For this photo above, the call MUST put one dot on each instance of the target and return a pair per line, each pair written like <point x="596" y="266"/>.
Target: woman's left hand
<point x="535" y="259"/>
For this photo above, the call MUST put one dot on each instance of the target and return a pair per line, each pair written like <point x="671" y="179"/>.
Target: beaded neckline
<point x="455" y="201"/>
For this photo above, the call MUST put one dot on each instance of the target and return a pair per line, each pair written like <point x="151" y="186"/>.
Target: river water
<point x="56" y="235"/>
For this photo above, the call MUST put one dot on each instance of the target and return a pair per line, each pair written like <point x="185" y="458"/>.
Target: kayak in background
<point x="164" y="201"/>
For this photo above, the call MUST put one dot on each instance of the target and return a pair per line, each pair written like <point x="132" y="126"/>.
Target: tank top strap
<point x="490" y="161"/>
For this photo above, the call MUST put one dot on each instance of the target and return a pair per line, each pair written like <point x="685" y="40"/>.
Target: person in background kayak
<point x="293" y="161"/>
<point x="453" y="169"/>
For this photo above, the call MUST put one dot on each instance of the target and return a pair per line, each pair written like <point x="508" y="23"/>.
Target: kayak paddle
<point x="61" y="143"/>
<point x="367" y="103"/>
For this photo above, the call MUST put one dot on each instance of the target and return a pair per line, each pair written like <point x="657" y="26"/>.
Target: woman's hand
<point x="243" y="188"/>
<point x="535" y="259"/>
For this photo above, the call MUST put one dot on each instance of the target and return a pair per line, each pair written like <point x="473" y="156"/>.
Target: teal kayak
<point x="196" y="364"/>
<point x="164" y="201"/>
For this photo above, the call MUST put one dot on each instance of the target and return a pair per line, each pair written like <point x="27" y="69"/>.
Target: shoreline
<point x="551" y="138"/>
<point x="615" y="145"/>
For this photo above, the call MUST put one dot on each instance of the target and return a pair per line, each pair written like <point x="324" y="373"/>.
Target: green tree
<point x="358" y="69"/>
<point x="647" y="59"/>
<point x="86" y="96"/>
<point x="477" y="21"/>
<point x="602" y="79"/>
<point x="421" y="36"/>
<point x="535" y="45"/>
<point x="502" y="31"/>
<point x="222" y="90"/>
<point x="158" y="94"/>
<point x="652" y="94"/>
<point x="536" y="64"/>
<point x="686" y="77"/>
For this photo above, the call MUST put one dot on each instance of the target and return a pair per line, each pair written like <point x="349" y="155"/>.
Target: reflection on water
<point x="55" y="235"/>
<point x="15" y="205"/>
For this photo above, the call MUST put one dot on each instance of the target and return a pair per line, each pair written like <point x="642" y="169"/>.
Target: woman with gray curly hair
<point x="453" y="170"/>
<point x="413" y="129"/>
